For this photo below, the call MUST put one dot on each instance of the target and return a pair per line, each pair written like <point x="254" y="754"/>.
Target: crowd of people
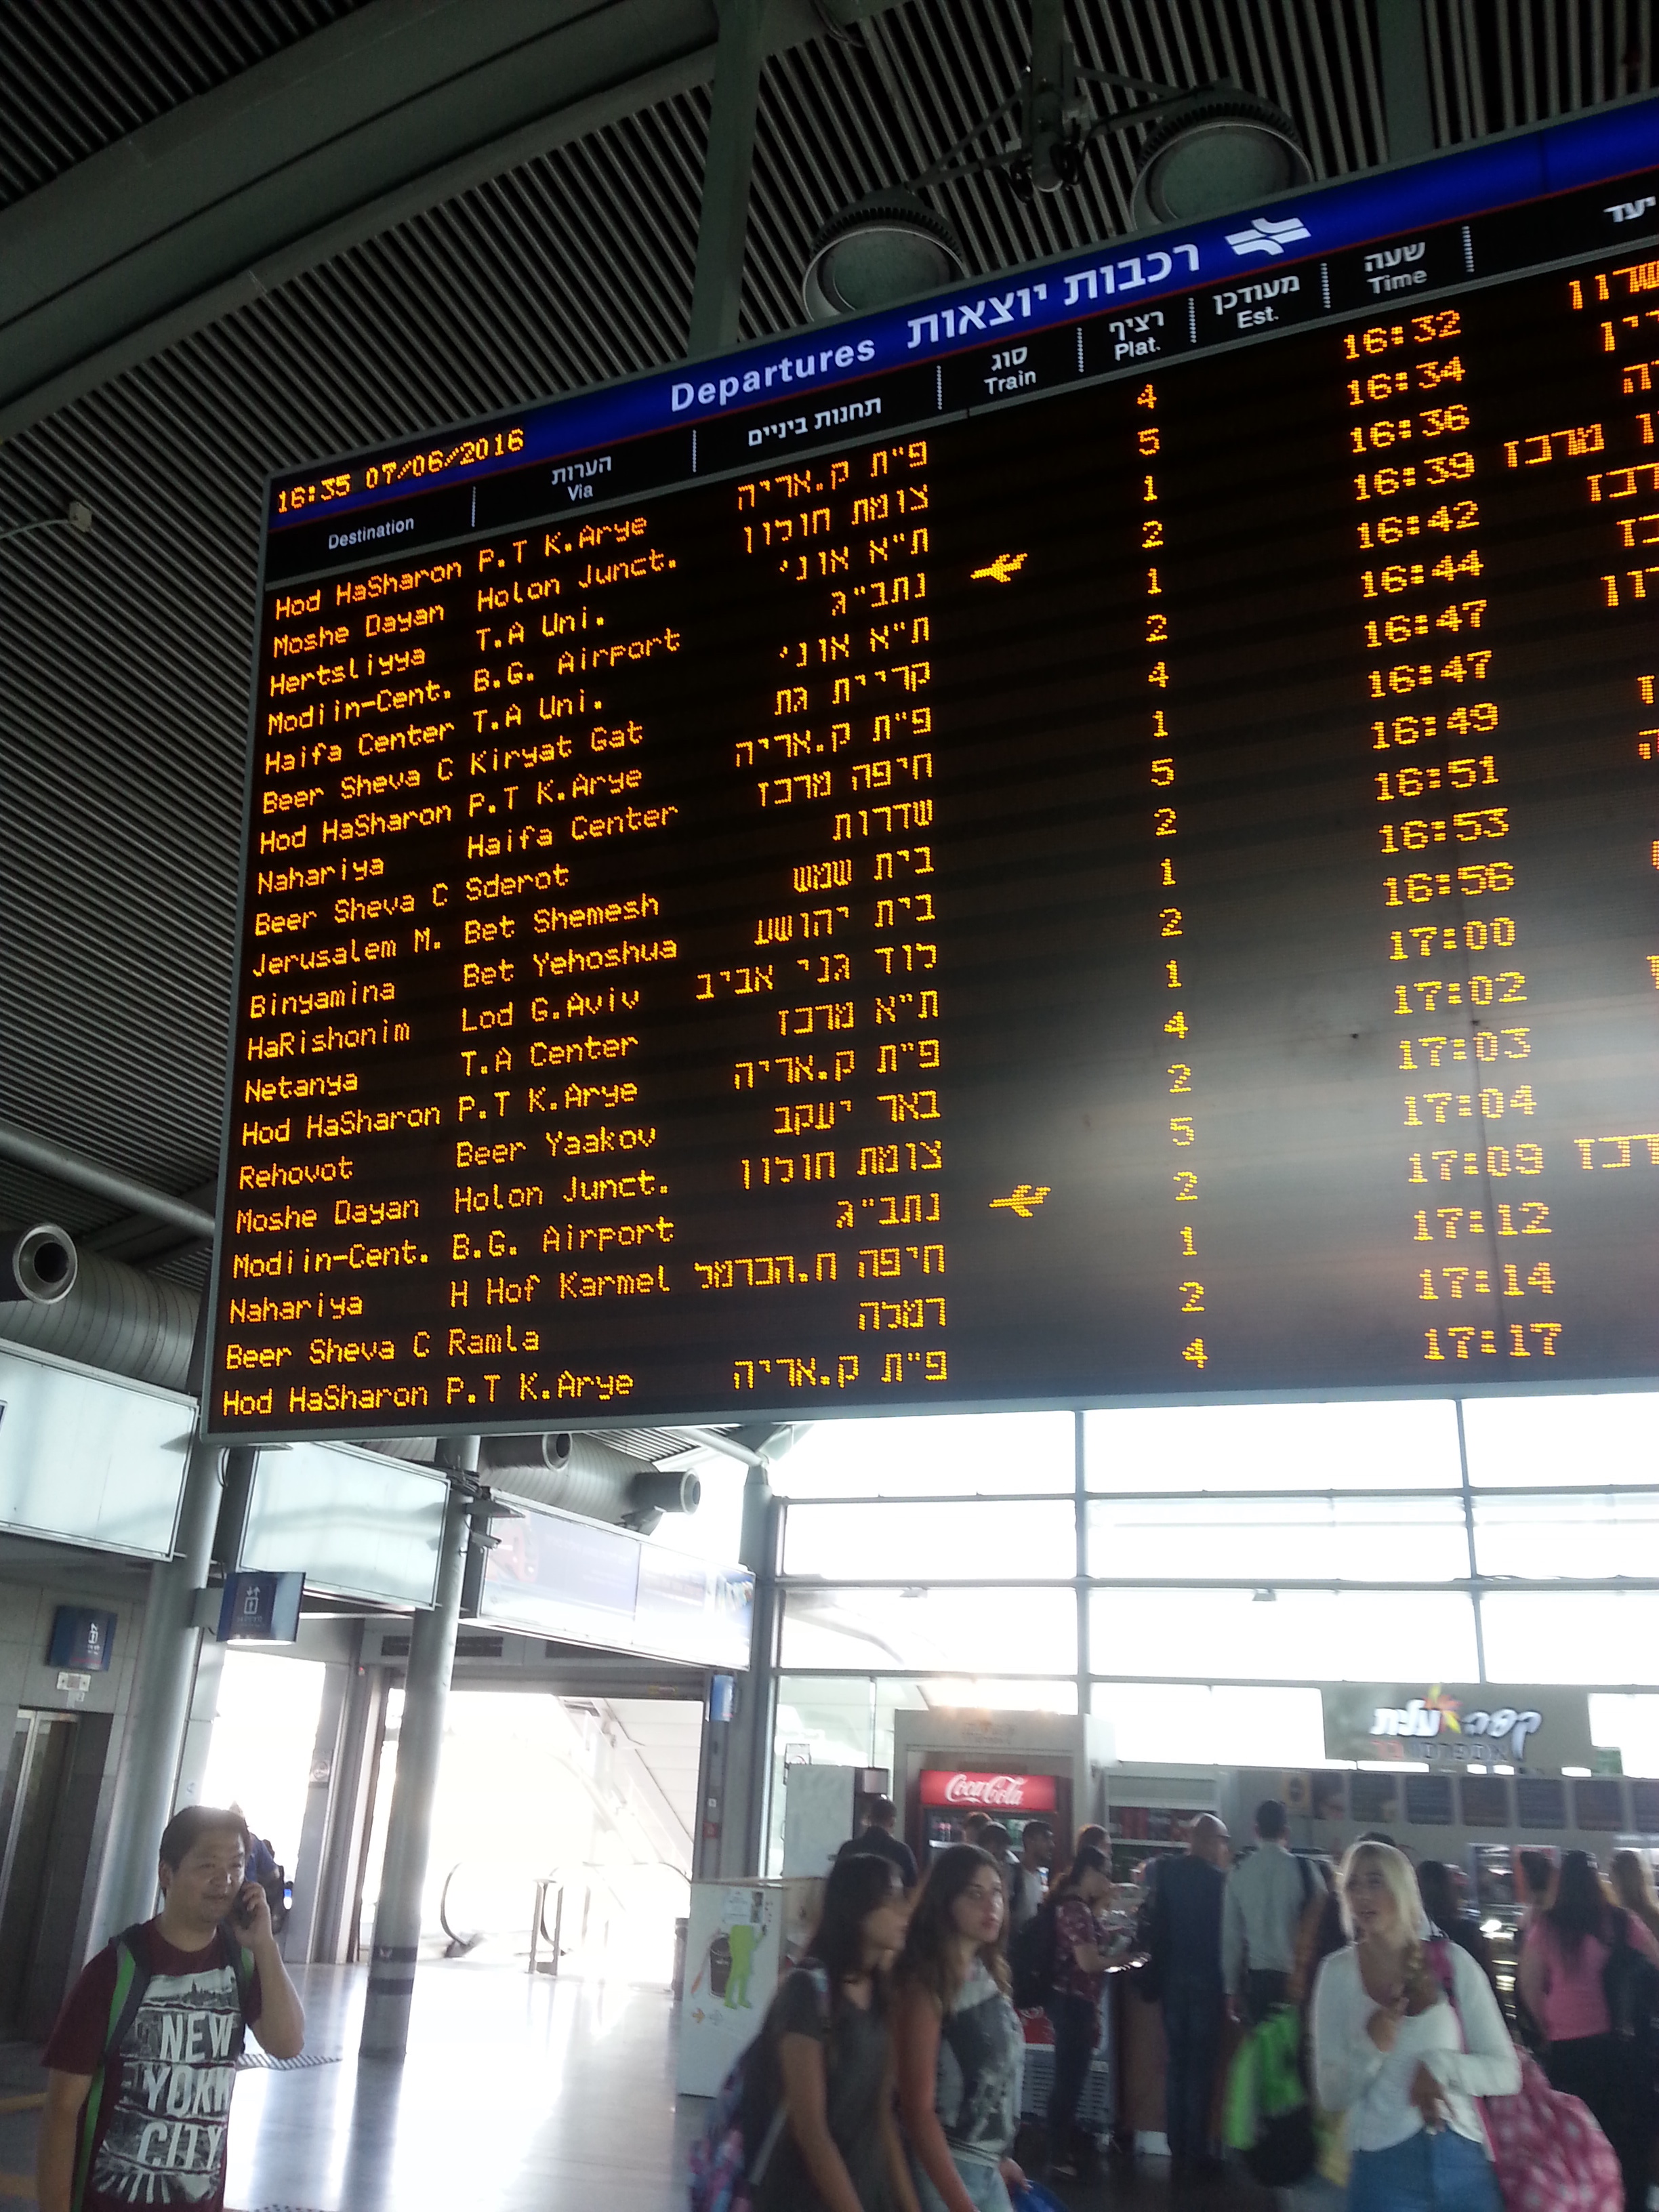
<point x="1404" y="2031"/>
<point x="895" y="2053"/>
<point x="896" y="2049"/>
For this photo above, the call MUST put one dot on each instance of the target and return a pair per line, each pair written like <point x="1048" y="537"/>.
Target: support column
<point x="323" y="1806"/>
<point x="747" y="1763"/>
<point x="723" y="217"/>
<point x="1080" y="1512"/>
<point x="355" y="1773"/>
<point x="208" y="1675"/>
<point x="1403" y="52"/>
<point x="158" y="1708"/>
<point x="420" y="1745"/>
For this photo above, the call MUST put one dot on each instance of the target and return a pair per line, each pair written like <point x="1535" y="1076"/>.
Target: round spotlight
<point x="1221" y="152"/>
<point x="885" y="247"/>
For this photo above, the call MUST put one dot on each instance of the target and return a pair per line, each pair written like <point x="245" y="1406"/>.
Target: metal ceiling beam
<point x="399" y="105"/>
<point x="1402" y="41"/>
<point x="140" y="1241"/>
<point x="121" y="1190"/>
<point x="723" y="214"/>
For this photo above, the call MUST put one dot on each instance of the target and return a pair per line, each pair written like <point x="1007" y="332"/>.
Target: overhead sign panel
<point x="1087" y="838"/>
<point x="1458" y="1724"/>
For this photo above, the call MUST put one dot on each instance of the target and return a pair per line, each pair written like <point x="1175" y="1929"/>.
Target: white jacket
<point x="1467" y="2051"/>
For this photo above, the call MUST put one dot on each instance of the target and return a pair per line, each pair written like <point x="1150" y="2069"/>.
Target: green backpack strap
<point x="241" y="1961"/>
<point x="131" y="1980"/>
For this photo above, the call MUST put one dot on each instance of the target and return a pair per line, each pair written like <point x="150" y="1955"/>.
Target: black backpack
<point x="1631" y="1984"/>
<point x="1032" y="1955"/>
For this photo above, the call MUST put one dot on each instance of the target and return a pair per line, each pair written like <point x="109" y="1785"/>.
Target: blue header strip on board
<point x="1477" y="180"/>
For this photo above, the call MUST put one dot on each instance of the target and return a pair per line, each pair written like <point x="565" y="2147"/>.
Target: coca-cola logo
<point x="985" y="1789"/>
<point x="1009" y="1793"/>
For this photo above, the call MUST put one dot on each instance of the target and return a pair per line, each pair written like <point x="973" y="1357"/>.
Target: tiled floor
<point x="517" y="2095"/>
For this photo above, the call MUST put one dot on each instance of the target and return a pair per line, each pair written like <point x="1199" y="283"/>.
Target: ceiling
<point x="563" y="256"/>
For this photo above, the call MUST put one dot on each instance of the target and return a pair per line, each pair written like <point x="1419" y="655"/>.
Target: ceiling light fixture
<point x="886" y="246"/>
<point x="1211" y="150"/>
<point x="1219" y="150"/>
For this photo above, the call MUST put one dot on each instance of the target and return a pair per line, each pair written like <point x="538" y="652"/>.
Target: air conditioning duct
<point x="576" y="1474"/>
<point x="37" y="1265"/>
<point x="104" y="1315"/>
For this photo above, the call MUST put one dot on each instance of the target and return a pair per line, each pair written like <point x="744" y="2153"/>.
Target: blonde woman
<point x="1398" y="2059"/>
<point x="1633" y="1884"/>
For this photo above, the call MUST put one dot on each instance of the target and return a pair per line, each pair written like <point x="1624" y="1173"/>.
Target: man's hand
<point x="1013" y="2175"/>
<point x="280" y="2026"/>
<point x="1430" y="2099"/>
<point x="250" y="1916"/>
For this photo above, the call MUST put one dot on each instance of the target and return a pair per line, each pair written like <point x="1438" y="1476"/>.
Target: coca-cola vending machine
<point x="948" y="1794"/>
<point x="1017" y="1767"/>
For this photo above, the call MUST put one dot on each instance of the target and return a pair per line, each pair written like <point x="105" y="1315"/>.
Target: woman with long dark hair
<point x="825" y="2058"/>
<point x="1437" y="1885"/>
<point x="1566" y="1954"/>
<point x="961" y="2050"/>
<point x="1080" y="1962"/>
<point x="1092" y="1837"/>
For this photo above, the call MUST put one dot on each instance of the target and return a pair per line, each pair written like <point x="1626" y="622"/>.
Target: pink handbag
<point x="1549" y="2154"/>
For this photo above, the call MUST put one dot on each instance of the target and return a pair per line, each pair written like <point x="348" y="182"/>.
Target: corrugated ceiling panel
<point x="76" y="75"/>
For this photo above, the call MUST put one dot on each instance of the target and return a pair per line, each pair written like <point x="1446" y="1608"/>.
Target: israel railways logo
<point x="1266" y="236"/>
<point x="1505" y="1727"/>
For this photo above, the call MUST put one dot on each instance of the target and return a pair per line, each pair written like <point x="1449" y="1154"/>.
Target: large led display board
<point x="1092" y="837"/>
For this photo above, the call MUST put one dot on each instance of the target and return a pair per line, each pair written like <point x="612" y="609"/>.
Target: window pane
<point x="977" y="1693"/>
<point x="1346" y="1539"/>
<point x="1630" y="1724"/>
<point x="1307" y="1636"/>
<point x="1580" y="1533"/>
<point x="1194" y="1725"/>
<point x="943" y="1542"/>
<point x="957" y="1630"/>
<point x="1573" y="1636"/>
<point x="929" y="1455"/>
<point x="823" y="1722"/>
<point x="826" y="1721"/>
<point x="1396" y="1445"/>
<point x="1553" y="1441"/>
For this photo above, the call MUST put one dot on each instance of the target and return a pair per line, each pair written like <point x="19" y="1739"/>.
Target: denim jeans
<point x="1077" y="2030"/>
<point x="1442" y="2172"/>
<point x="1192" y="2030"/>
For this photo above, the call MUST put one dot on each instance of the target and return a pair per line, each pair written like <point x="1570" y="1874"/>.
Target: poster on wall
<point x="1458" y="1724"/>
<point x="733" y="1948"/>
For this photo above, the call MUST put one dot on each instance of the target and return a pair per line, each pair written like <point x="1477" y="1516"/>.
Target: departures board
<point x="1092" y="838"/>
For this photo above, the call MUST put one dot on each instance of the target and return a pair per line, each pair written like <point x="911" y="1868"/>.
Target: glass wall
<point x="1192" y="1571"/>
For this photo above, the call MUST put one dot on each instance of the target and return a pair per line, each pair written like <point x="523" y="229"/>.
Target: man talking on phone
<point x="142" y="2059"/>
